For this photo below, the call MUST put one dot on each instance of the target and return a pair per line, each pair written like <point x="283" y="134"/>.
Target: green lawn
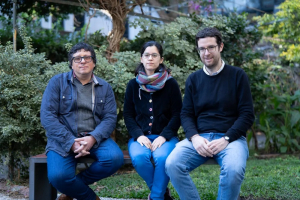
<point x="277" y="178"/>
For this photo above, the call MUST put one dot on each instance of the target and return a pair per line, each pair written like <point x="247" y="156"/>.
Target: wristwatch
<point x="226" y="138"/>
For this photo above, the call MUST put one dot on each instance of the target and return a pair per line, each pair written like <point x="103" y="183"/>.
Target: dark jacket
<point x="218" y="104"/>
<point x="59" y="112"/>
<point x="154" y="113"/>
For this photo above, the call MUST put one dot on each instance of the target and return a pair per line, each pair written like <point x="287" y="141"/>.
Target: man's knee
<point x="118" y="159"/>
<point x="234" y="172"/>
<point x="172" y="165"/>
<point x="112" y="153"/>
<point x="61" y="177"/>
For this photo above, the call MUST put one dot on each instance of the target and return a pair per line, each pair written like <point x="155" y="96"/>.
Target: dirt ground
<point x="19" y="191"/>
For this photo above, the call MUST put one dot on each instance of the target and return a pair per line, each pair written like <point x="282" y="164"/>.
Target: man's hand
<point x="218" y="145"/>
<point x="143" y="140"/>
<point x="158" y="142"/>
<point x="200" y="144"/>
<point x="86" y="143"/>
<point x="75" y="146"/>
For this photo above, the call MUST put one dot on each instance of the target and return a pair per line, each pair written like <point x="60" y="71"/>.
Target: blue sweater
<point x="219" y="104"/>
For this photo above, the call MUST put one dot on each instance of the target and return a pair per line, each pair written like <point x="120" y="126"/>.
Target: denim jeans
<point x="154" y="176"/>
<point x="184" y="158"/>
<point x="61" y="170"/>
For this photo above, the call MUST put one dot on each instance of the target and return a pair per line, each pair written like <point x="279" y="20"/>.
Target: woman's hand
<point x="143" y="140"/>
<point x="158" y="142"/>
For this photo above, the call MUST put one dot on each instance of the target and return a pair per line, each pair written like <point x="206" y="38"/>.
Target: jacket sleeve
<point x="187" y="115"/>
<point x="55" y="129"/>
<point x="108" y="118"/>
<point x="245" y="109"/>
<point x="129" y="113"/>
<point x="176" y="103"/>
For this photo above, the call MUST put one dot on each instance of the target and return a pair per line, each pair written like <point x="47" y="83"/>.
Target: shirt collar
<point x="215" y="73"/>
<point x="93" y="78"/>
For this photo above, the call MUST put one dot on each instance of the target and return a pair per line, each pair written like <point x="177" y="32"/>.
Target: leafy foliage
<point x="48" y="41"/>
<point x="280" y="118"/>
<point x="282" y="29"/>
<point x="21" y="88"/>
<point x="38" y="8"/>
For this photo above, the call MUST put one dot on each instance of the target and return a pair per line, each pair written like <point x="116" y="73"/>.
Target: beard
<point x="211" y="62"/>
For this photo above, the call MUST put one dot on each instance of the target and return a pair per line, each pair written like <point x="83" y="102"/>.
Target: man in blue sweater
<point x="217" y="111"/>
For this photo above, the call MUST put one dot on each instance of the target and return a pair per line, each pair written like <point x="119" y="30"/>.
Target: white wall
<point x="132" y="32"/>
<point x="69" y="23"/>
<point x="101" y="22"/>
<point x="47" y="24"/>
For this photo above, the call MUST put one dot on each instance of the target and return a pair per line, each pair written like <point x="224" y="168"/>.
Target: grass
<point x="277" y="178"/>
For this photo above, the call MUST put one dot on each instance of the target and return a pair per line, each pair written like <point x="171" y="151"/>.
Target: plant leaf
<point x="283" y="149"/>
<point x="295" y="118"/>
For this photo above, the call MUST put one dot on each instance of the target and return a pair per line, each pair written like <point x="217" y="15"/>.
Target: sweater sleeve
<point x="187" y="115"/>
<point x="176" y="103"/>
<point x="245" y="109"/>
<point x="129" y="113"/>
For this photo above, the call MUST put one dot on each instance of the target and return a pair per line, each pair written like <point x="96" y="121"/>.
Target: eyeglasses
<point x="79" y="59"/>
<point x="147" y="55"/>
<point x="209" y="49"/>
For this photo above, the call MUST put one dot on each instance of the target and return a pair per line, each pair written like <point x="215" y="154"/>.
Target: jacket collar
<point x="96" y="80"/>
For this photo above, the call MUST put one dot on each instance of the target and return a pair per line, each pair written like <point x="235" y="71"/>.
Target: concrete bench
<point x="39" y="186"/>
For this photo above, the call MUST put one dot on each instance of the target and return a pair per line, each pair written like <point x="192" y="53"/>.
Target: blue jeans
<point x="184" y="158"/>
<point x="154" y="176"/>
<point x="61" y="170"/>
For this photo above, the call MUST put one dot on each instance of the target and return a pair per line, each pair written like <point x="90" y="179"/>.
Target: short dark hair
<point x="140" y="67"/>
<point x="78" y="46"/>
<point x="209" y="32"/>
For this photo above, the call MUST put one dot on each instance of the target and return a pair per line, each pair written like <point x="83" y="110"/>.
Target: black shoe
<point x="167" y="195"/>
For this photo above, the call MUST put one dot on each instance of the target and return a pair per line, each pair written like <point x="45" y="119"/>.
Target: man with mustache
<point x="79" y="114"/>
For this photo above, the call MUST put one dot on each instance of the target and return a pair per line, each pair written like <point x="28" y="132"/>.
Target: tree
<point x="118" y="9"/>
<point x="38" y="8"/>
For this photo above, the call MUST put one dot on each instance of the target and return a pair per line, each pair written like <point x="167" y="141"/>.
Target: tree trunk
<point x="115" y="37"/>
<point x="11" y="162"/>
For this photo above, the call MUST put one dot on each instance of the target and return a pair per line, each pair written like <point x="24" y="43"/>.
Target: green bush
<point x="280" y="119"/>
<point x="21" y="87"/>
